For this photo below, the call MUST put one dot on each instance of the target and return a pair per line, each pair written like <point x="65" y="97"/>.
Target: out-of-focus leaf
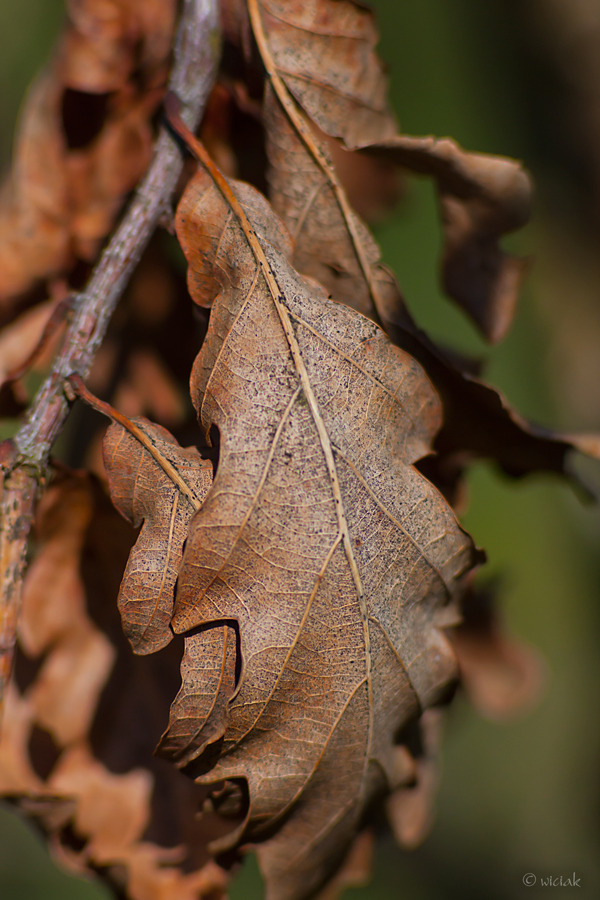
<point x="84" y="140"/>
<point x="410" y="808"/>
<point x="501" y="675"/>
<point x="482" y="197"/>
<point x="479" y="421"/>
<point x="82" y="715"/>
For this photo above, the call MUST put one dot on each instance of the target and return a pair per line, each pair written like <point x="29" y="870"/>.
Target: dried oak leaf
<point x="30" y="341"/>
<point x="84" y="140"/>
<point x="307" y="100"/>
<point x="480" y="422"/>
<point x="482" y="197"/>
<point x="199" y="713"/>
<point x="319" y="542"/>
<point x="106" y="43"/>
<point x="72" y="753"/>
<point x="26" y="344"/>
<point x="324" y="52"/>
<point x="161" y="485"/>
<point x="325" y="81"/>
<point x="355" y="870"/>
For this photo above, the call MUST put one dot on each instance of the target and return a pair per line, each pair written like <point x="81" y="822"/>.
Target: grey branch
<point x="193" y="74"/>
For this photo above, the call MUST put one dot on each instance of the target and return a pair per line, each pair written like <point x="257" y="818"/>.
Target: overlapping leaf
<point x="480" y="422"/>
<point x="335" y="560"/>
<point x="481" y="197"/>
<point x="325" y="80"/>
<point x="160" y="485"/>
<point x="330" y="242"/>
<point x="82" y="715"/>
<point x="347" y="99"/>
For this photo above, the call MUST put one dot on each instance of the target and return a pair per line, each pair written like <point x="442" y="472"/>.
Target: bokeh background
<point x="519" y="78"/>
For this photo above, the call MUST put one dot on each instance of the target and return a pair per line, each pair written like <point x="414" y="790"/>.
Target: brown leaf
<point x="199" y="713"/>
<point x="502" y="676"/>
<point x="356" y="869"/>
<point x="338" y="251"/>
<point x="33" y="203"/>
<point x="335" y="559"/>
<point x="481" y="197"/>
<point x="107" y="42"/>
<point x="21" y="340"/>
<point x="84" y="139"/>
<point x="372" y="185"/>
<point x="410" y="807"/>
<point x="313" y="94"/>
<point x="99" y="794"/>
<point x="76" y="748"/>
<point x="26" y="343"/>
<point x="323" y="50"/>
<point x="479" y="421"/>
<point x="161" y="485"/>
<point x="307" y="101"/>
<point x="331" y="244"/>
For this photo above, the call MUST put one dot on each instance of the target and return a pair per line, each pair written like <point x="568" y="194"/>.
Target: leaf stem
<point x="75" y="385"/>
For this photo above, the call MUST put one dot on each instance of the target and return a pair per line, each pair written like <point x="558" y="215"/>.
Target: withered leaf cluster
<point x="300" y="594"/>
<point x="84" y="140"/>
<point x="76" y="743"/>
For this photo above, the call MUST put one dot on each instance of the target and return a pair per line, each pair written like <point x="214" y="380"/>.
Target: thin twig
<point x="195" y="61"/>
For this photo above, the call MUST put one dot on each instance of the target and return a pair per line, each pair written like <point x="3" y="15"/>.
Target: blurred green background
<point x="521" y="797"/>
